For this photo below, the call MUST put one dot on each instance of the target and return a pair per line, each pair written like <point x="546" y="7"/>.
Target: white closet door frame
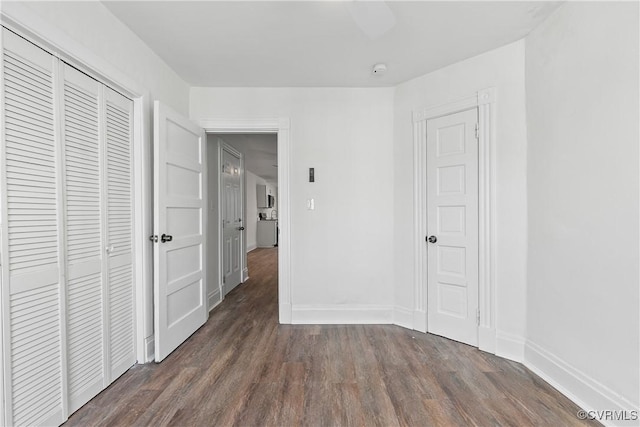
<point x="485" y="101"/>
<point x="20" y="19"/>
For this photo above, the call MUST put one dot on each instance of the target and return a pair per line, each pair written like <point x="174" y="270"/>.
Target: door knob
<point x="166" y="238"/>
<point x="240" y="228"/>
<point x="432" y="239"/>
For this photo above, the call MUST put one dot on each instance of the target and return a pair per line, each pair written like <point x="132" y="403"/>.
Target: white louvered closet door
<point x="119" y="232"/>
<point x="84" y="247"/>
<point x="67" y="249"/>
<point x="32" y="294"/>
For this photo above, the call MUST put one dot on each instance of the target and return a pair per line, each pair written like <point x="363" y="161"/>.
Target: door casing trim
<point x="281" y="127"/>
<point x="485" y="101"/>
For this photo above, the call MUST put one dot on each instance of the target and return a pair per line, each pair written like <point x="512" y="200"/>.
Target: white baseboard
<point x="150" y="349"/>
<point x="341" y="314"/>
<point x="403" y="317"/>
<point x="585" y="391"/>
<point x="487" y="339"/>
<point x="509" y="346"/>
<point x="251" y="247"/>
<point x="245" y="275"/>
<point x="420" y="321"/>
<point x="214" y="299"/>
<point x="284" y="314"/>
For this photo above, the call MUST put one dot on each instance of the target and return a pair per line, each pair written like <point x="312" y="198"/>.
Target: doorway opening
<point x="243" y="208"/>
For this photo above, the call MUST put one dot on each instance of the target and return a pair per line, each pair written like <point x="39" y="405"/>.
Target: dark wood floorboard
<point x="243" y="368"/>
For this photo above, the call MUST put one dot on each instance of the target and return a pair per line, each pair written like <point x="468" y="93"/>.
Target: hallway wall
<point x="583" y="192"/>
<point x="341" y="251"/>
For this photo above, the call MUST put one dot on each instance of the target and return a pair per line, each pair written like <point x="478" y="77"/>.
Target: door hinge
<point x="477" y="130"/>
<point x="478" y="317"/>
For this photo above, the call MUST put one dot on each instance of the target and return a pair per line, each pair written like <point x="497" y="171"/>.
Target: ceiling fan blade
<point x="374" y="18"/>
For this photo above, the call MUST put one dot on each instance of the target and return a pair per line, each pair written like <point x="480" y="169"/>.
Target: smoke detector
<point x="379" y="69"/>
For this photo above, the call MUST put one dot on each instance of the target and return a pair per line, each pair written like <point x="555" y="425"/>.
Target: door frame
<point x="485" y="101"/>
<point x="281" y="127"/>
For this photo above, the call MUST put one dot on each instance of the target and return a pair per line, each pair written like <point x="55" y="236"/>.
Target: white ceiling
<point x="319" y="43"/>
<point x="260" y="153"/>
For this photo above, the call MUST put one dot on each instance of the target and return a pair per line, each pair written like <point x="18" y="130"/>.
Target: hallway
<point x="242" y="368"/>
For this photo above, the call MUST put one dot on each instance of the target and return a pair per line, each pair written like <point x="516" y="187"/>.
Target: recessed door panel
<point x="184" y="221"/>
<point x="183" y="182"/>
<point x="183" y="302"/>
<point x="183" y="261"/>
<point x="452" y="300"/>
<point x="451" y="140"/>
<point x="452" y="261"/>
<point x="451" y="220"/>
<point x="451" y="180"/>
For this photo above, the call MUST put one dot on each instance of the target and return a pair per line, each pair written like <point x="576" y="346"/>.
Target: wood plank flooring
<point x="243" y="368"/>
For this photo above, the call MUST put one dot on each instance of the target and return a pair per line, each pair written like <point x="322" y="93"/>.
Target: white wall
<point x="503" y="69"/>
<point x="88" y="32"/>
<point x="251" y="211"/>
<point x="93" y="26"/>
<point x="582" y="112"/>
<point x="341" y="251"/>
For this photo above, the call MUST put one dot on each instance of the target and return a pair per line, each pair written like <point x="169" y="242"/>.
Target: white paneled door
<point x="232" y="225"/>
<point x="179" y="255"/>
<point x="452" y="224"/>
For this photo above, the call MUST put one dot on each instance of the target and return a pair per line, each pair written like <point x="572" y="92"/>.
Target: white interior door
<point x="179" y="256"/>
<point x="452" y="224"/>
<point x="232" y="226"/>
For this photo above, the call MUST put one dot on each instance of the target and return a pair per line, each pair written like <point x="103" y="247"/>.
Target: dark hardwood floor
<point x="242" y="368"/>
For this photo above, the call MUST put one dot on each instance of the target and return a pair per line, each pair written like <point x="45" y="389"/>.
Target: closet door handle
<point x="166" y="238"/>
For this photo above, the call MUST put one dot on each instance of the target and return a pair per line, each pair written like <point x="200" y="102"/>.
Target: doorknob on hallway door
<point x="240" y="228"/>
<point x="432" y="239"/>
<point x="166" y="238"/>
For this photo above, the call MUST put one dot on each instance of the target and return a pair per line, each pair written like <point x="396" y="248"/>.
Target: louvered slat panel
<point x="119" y="179"/>
<point x="82" y="166"/>
<point x="31" y="289"/>
<point x="35" y="351"/>
<point x="85" y="333"/>
<point x="21" y="134"/>
<point x="84" y="244"/>
<point x="121" y="315"/>
<point x="119" y="231"/>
